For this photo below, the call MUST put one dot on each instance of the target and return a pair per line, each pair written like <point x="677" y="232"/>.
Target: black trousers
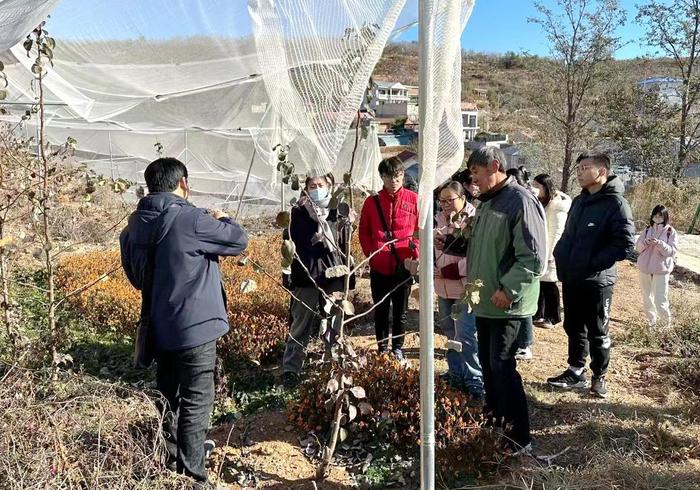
<point x="505" y="395"/>
<point x="586" y="323"/>
<point x="186" y="380"/>
<point x="548" y="304"/>
<point x="381" y="285"/>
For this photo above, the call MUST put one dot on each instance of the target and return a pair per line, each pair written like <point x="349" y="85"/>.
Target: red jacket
<point x="401" y="215"/>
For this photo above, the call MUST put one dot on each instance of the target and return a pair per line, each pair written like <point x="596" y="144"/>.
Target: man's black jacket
<point x="599" y="232"/>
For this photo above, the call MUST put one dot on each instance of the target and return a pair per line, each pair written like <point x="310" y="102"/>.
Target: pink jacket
<point x="450" y="288"/>
<point x="658" y="258"/>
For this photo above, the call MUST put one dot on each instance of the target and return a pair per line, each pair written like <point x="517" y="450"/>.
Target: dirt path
<point x="643" y="432"/>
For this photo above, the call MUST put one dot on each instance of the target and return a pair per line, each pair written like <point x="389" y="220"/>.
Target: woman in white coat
<point x="657" y="247"/>
<point x="556" y="206"/>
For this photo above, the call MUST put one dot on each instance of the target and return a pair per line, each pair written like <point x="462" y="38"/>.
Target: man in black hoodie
<point x="599" y="232"/>
<point x="188" y="306"/>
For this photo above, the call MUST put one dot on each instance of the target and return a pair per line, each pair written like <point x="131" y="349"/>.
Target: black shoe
<point x="398" y="354"/>
<point x="568" y="379"/>
<point x="290" y="380"/>
<point x="599" y="387"/>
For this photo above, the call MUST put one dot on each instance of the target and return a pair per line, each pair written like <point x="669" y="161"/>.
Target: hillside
<point x="502" y="85"/>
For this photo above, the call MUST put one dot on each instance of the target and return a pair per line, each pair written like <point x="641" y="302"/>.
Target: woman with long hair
<point x="657" y="246"/>
<point x="556" y="207"/>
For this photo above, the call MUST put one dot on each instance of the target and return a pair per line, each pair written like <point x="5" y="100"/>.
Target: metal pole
<point x="247" y="177"/>
<point x="427" y="383"/>
<point x="187" y="151"/>
<point x="111" y="158"/>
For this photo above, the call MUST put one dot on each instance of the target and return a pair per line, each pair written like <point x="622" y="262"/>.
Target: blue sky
<point x="496" y="26"/>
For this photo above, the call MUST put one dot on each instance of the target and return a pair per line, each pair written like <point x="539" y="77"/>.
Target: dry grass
<point x="681" y="201"/>
<point x="78" y="432"/>
<point x="646" y="435"/>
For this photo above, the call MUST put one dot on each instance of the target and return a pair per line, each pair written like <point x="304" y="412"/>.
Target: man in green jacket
<point x="507" y="252"/>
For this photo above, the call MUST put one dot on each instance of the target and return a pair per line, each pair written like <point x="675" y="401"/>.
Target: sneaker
<point x="536" y="321"/>
<point x="568" y="379"/>
<point x="599" y="387"/>
<point x="398" y="354"/>
<point x="523" y="354"/>
<point x="290" y="380"/>
<point x="546" y="324"/>
<point x="209" y="446"/>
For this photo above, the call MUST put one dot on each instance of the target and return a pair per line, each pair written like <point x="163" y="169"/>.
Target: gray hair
<point x="485" y="155"/>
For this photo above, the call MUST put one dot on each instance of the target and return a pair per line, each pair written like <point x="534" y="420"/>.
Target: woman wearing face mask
<point x="556" y="207"/>
<point x="656" y="246"/>
<point x="464" y="369"/>
<point x="320" y="238"/>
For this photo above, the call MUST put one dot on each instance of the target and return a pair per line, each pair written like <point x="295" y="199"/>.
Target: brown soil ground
<point x="645" y="435"/>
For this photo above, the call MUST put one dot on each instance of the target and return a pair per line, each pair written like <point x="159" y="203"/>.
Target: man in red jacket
<point x="390" y="215"/>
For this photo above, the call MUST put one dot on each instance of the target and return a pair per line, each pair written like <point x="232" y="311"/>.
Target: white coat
<point x="556" y="212"/>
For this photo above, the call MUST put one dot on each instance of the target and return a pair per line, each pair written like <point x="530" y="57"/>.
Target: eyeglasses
<point x="448" y="201"/>
<point x="583" y="168"/>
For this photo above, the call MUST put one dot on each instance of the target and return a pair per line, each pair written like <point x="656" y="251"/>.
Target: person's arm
<point x="218" y="234"/>
<point x="365" y="227"/>
<point x="126" y="257"/>
<point x="530" y="247"/>
<point x="641" y="244"/>
<point x="670" y="248"/>
<point x="620" y="240"/>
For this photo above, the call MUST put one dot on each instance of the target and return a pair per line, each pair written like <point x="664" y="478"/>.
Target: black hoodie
<point x="188" y="306"/>
<point x="599" y="232"/>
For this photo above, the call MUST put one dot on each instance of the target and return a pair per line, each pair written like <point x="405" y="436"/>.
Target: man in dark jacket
<point x="599" y="232"/>
<point x="188" y="307"/>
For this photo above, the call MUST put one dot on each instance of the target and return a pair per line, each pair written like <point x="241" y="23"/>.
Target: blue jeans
<point x="463" y="366"/>
<point x="526" y="334"/>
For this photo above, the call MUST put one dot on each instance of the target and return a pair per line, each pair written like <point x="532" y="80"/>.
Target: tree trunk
<point x="6" y="302"/>
<point x="568" y="162"/>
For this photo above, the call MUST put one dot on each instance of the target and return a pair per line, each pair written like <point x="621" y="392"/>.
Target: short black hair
<point x="549" y="189"/>
<point x="483" y="156"/>
<point x="391" y="166"/>
<point x="164" y="174"/>
<point x="663" y="211"/>
<point x="601" y="158"/>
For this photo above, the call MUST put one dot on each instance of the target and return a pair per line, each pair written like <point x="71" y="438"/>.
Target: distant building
<point x="470" y="120"/>
<point x="412" y="108"/>
<point x="389" y="99"/>
<point x="692" y="171"/>
<point x="666" y="87"/>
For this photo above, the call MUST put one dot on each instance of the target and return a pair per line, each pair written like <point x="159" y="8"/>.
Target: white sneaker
<point x="523" y="354"/>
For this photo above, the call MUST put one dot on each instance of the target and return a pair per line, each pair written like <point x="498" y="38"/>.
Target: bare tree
<point x="673" y="29"/>
<point x="582" y="40"/>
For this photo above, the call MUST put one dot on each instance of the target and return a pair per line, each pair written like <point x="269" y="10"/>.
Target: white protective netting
<point x="218" y="81"/>
<point x="443" y="140"/>
<point x="19" y="17"/>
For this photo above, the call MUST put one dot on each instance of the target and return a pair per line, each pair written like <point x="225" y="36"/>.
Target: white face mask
<point x="658" y="220"/>
<point x="320" y="196"/>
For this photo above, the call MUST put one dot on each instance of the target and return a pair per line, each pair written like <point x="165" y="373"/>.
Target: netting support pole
<point x="187" y="150"/>
<point x="111" y="158"/>
<point x="427" y="380"/>
<point x="245" y="185"/>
